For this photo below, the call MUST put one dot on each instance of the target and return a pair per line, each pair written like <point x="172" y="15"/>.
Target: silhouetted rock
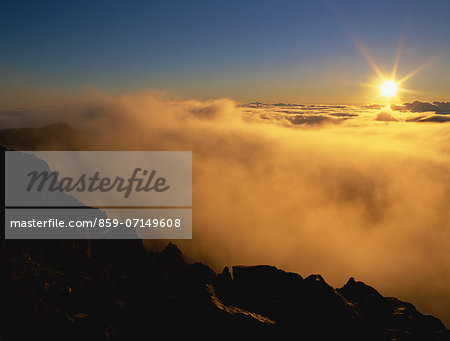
<point x="162" y="292"/>
<point x="225" y="275"/>
<point x="390" y="317"/>
<point x="172" y="255"/>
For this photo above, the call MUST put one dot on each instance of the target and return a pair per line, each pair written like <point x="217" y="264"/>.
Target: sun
<point x="389" y="88"/>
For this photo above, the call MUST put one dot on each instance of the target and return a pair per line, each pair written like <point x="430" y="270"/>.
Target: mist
<point x="337" y="190"/>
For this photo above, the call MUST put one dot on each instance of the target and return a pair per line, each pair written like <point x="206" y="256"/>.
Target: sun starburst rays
<point x="390" y="87"/>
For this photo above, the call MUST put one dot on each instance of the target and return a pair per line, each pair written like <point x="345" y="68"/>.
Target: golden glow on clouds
<point x="275" y="184"/>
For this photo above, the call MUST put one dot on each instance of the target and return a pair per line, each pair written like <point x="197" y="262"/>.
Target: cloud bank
<point x="342" y="191"/>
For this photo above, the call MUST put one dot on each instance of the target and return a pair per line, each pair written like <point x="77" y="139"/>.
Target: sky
<point x="292" y="51"/>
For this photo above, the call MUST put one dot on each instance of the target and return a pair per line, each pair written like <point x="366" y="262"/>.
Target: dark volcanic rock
<point x="101" y="301"/>
<point x="391" y="318"/>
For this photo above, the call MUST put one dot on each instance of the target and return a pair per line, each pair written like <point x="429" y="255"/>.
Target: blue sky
<point x="300" y="51"/>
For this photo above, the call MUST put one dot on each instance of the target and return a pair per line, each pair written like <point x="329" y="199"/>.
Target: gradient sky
<point x="297" y="51"/>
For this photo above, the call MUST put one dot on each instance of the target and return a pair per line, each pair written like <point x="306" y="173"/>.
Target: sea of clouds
<point x="360" y="191"/>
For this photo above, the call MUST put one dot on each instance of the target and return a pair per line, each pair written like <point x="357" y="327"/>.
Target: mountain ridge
<point x="57" y="284"/>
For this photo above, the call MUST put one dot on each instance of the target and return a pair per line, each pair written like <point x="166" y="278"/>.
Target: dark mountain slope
<point x="57" y="136"/>
<point x="141" y="295"/>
